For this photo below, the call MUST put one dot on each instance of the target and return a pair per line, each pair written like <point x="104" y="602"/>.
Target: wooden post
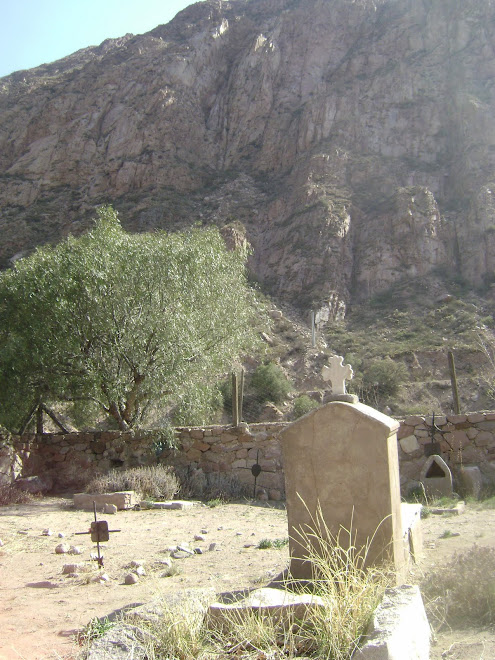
<point x="235" y="399"/>
<point x="39" y="419"/>
<point x="453" y="380"/>
<point x="241" y="394"/>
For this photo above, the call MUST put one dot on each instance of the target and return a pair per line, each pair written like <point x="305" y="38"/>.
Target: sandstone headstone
<point x="341" y="460"/>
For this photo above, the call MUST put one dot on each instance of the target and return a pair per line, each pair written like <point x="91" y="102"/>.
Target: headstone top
<point x="337" y="373"/>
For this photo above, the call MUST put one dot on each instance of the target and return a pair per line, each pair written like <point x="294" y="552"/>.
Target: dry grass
<point x="462" y="593"/>
<point x="350" y="593"/>
<point x="9" y="494"/>
<point x="157" y="482"/>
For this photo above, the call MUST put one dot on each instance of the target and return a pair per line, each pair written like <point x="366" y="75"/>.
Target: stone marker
<point x="436" y="477"/>
<point x="343" y="459"/>
<point x="337" y="373"/>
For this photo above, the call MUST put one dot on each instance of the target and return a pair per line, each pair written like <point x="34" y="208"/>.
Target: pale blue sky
<point x="34" y="32"/>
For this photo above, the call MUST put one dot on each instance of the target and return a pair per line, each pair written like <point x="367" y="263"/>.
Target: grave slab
<point x="125" y="499"/>
<point x="399" y="629"/>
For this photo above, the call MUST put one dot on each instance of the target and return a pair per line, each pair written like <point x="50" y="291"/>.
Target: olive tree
<point x="123" y="321"/>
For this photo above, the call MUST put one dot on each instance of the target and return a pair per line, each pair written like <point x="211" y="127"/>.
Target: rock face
<point x="354" y="140"/>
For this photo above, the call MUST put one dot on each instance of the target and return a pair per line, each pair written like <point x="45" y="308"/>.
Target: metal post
<point x="241" y="394"/>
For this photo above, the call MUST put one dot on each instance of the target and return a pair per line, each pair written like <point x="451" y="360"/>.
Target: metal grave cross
<point x="99" y="534"/>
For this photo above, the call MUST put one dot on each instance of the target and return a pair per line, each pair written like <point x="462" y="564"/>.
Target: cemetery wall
<point x="70" y="460"/>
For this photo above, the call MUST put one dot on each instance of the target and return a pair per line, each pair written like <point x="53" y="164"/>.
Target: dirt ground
<point x="41" y="610"/>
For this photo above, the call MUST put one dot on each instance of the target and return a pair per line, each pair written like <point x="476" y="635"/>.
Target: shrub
<point x="9" y="494"/>
<point x="463" y="591"/>
<point x="303" y="405"/>
<point x="157" y="481"/>
<point x="382" y="379"/>
<point x="270" y="383"/>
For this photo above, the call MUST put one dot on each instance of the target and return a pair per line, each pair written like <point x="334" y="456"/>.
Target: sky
<point x="34" y="32"/>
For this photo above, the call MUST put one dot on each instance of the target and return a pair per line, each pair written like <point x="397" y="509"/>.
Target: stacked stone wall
<point x="465" y="440"/>
<point x="72" y="459"/>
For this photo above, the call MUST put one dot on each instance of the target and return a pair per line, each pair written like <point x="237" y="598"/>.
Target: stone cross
<point x="337" y="373"/>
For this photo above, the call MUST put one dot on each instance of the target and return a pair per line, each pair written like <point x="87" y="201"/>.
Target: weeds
<point x="9" y="494"/>
<point x="462" y="592"/>
<point x="265" y="544"/>
<point x="94" y="629"/>
<point x="346" y="594"/>
<point x="156" y="482"/>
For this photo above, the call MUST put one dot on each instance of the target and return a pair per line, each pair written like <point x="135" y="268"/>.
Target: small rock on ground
<point x="131" y="578"/>
<point x="62" y="548"/>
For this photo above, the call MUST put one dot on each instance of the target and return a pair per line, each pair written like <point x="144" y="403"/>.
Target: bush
<point x="463" y="592"/>
<point x="9" y="494"/>
<point x="382" y="379"/>
<point x="303" y="405"/>
<point x="157" y="482"/>
<point x="270" y="383"/>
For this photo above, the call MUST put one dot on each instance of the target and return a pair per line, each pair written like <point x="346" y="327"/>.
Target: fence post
<point x="235" y="399"/>
<point x="453" y="381"/>
<point x="241" y="394"/>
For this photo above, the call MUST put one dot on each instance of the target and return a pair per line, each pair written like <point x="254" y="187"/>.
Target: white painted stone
<point x="337" y="373"/>
<point x="399" y="629"/>
<point x="409" y="444"/>
<point x="62" y="548"/>
<point x="110" y="509"/>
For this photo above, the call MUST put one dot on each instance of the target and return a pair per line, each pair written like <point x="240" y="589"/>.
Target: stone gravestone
<point x="342" y="459"/>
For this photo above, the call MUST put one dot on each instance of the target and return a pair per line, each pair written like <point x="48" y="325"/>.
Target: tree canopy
<point x="126" y="322"/>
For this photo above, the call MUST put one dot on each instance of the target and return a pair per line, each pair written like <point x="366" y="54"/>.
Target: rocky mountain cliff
<point x="353" y="139"/>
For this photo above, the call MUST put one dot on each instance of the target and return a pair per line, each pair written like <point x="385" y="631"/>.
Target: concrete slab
<point x="399" y="629"/>
<point x="172" y="504"/>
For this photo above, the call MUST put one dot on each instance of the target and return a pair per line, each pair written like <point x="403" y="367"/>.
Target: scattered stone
<point x="171" y="548"/>
<point x="180" y="554"/>
<point x="47" y="532"/>
<point x="199" y="537"/>
<point x="140" y="570"/>
<point x="221" y="527"/>
<point x="204" y="531"/>
<point x="23" y="532"/>
<point x="34" y="485"/>
<point x="110" y="509"/>
<point x="238" y="533"/>
<point x="137" y="562"/>
<point x="62" y="548"/>
<point x="75" y="550"/>
<point x="165" y="562"/>
<point x="101" y="579"/>
<point x="198" y="551"/>
<point x="1" y="543"/>
<point x="212" y="547"/>
<point x="61" y="535"/>
<point x="131" y="578"/>
<point x="184" y="548"/>
<point x="71" y="568"/>
<point x="248" y="545"/>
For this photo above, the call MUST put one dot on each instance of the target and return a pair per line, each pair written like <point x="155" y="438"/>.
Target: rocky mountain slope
<point x="354" y="139"/>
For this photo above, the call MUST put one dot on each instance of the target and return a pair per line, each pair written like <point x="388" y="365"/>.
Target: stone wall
<point x="72" y="459"/>
<point x="465" y="440"/>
